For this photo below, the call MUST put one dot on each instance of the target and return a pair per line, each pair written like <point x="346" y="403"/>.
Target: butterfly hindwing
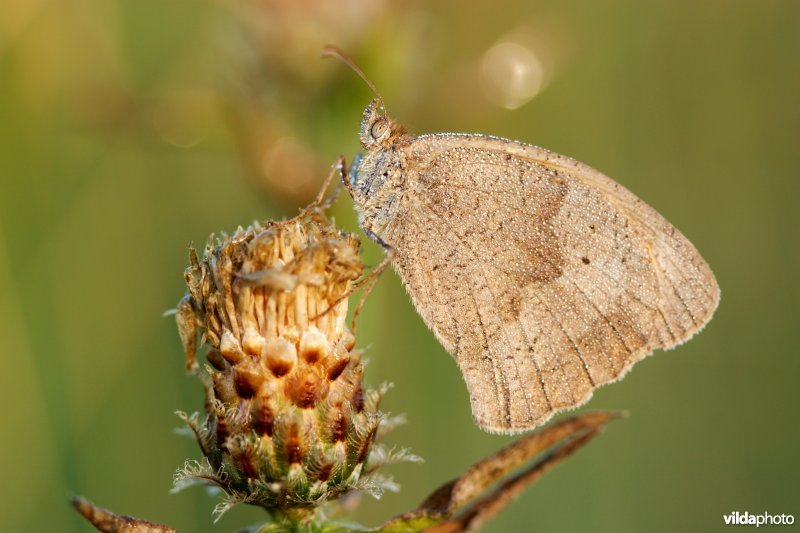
<point x="542" y="277"/>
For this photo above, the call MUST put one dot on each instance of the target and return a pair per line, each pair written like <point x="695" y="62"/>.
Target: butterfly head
<point x="378" y="130"/>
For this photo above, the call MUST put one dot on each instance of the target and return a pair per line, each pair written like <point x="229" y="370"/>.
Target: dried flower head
<point x="287" y="424"/>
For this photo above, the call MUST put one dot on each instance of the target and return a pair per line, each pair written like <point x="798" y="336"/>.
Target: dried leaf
<point x="107" y="521"/>
<point x="447" y="509"/>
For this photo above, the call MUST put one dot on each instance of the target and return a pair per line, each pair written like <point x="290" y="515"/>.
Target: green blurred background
<point x="130" y="128"/>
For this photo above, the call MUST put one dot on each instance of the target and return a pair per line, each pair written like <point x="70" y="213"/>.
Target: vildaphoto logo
<point x="764" y="519"/>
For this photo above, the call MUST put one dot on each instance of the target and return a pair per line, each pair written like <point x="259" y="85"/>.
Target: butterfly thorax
<point x="377" y="179"/>
<point x="378" y="189"/>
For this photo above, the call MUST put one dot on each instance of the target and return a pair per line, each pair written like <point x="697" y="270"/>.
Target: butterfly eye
<point x="379" y="129"/>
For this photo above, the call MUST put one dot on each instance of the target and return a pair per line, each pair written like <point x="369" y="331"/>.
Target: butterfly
<point x="540" y="275"/>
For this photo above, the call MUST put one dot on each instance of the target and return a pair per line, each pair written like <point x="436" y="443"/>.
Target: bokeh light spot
<point x="511" y="74"/>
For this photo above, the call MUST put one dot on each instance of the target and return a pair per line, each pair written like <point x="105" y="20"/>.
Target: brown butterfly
<point x="541" y="276"/>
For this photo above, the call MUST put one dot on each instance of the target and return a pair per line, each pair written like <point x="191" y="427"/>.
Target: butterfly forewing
<point x="541" y="276"/>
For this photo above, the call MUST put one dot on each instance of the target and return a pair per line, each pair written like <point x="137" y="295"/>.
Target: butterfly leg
<point x="320" y="202"/>
<point x="370" y="280"/>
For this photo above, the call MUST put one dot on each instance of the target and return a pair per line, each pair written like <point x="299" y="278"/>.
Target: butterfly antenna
<point x="334" y="51"/>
